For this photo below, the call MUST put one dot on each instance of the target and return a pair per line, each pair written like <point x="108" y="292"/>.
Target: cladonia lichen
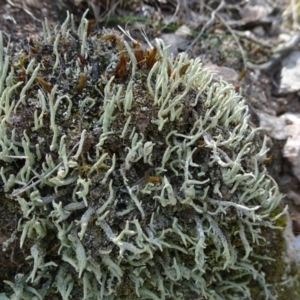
<point x="137" y="176"/>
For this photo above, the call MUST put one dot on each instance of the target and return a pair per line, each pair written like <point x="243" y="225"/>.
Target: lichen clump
<point x="137" y="176"/>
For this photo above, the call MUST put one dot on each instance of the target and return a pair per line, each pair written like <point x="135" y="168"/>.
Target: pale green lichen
<point x="143" y="184"/>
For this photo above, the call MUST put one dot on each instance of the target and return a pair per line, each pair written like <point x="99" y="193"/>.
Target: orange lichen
<point x="22" y="75"/>
<point x="81" y="83"/>
<point x="82" y="60"/>
<point x="44" y="84"/>
<point x="153" y="179"/>
<point x="114" y="38"/>
<point x="183" y="69"/>
<point x="89" y="26"/>
<point x="121" y="68"/>
<point x="151" y="57"/>
<point x="138" y="53"/>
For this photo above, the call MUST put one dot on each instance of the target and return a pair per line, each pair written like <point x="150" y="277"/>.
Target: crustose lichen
<point x="136" y="175"/>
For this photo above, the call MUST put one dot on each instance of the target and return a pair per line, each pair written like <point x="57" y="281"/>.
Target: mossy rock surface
<point x="130" y="174"/>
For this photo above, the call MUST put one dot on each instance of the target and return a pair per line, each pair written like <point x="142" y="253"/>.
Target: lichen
<point x="134" y="174"/>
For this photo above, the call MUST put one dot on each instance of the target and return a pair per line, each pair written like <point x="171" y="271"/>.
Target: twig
<point x="213" y="15"/>
<point x="236" y="39"/>
<point x="278" y="54"/>
<point x="110" y="11"/>
<point x="251" y="37"/>
<point x="174" y="15"/>
<point x="25" y="9"/>
<point x="43" y="177"/>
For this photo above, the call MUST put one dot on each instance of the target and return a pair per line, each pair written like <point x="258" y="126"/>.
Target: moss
<point x="283" y="278"/>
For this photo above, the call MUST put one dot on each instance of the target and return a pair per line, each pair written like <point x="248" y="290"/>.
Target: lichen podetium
<point x="133" y="174"/>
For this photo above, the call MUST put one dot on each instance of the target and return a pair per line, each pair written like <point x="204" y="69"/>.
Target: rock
<point x="224" y="73"/>
<point x="289" y="73"/>
<point x="291" y="150"/>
